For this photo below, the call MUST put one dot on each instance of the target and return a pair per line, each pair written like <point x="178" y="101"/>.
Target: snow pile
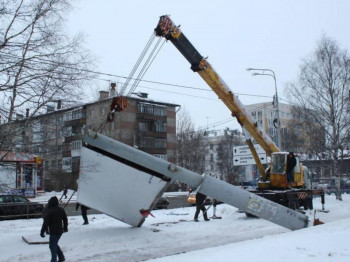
<point x="172" y="236"/>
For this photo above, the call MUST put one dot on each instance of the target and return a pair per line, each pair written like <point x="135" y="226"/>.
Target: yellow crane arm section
<point x="166" y="28"/>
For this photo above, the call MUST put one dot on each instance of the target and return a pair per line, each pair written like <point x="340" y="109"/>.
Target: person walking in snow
<point x="55" y="219"/>
<point x="84" y="210"/>
<point x="65" y="191"/>
<point x="200" y="198"/>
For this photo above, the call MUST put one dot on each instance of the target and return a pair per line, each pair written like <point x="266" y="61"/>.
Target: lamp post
<point x="272" y="74"/>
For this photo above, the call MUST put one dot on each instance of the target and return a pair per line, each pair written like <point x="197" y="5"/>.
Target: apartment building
<point x="219" y="153"/>
<point x="56" y="136"/>
<point x="265" y="113"/>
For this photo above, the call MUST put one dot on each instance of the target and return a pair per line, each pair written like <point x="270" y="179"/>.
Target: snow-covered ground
<point x="163" y="238"/>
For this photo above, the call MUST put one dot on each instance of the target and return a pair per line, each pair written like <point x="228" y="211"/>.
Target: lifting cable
<point x="144" y="51"/>
<point x="146" y="65"/>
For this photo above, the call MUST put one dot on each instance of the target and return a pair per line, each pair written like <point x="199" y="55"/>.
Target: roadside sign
<point x="244" y="150"/>
<point x="248" y="160"/>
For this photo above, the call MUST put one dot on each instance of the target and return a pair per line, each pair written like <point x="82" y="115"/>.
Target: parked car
<point x="16" y="206"/>
<point x="162" y="203"/>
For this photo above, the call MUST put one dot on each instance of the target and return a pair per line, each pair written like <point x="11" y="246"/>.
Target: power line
<point x="142" y="80"/>
<point x="172" y="92"/>
<point x="218" y="123"/>
<point x="181" y="86"/>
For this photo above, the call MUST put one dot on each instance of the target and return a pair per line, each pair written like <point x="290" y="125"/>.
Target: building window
<point x="67" y="116"/>
<point x="77" y="130"/>
<point x="59" y="164"/>
<point x="77" y="114"/>
<point x="38" y="138"/>
<point x="211" y="157"/>
<point x="67" y="164"/>
<point x="160" y="143"/>
<point x="103" y="111"/>
<point x="211" y="146"/>
<point x="53" y="163"/>
<point x="145" y="108"/>
<point x="211" y="167"/>
<point x="91" y="113"/>
<point x="164" y="157"/>
<point x="151" y="142"/>
<point x="59" y="120"/>
<point x="146" y="142"/>
<point x="151" y="109"/>
<point x="66" y="147"/>
<point x="254" y="114"/>
<point x="159" y="111"/>
<point x="143" y="126"/>
<point x="67" y="131"/>
<point x="76" y="145"/>
<point x="159" y="126"/>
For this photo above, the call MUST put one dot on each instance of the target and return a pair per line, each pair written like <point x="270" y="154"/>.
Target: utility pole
<point x="277" y="113"/>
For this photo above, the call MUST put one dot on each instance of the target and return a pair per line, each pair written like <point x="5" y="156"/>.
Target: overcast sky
<point x="233" y="34"/>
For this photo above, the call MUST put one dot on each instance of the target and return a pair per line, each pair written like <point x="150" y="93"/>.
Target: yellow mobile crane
<point x="273" y="184"/>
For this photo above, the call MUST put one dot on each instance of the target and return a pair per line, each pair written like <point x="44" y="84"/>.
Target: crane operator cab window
<point x="278" y="163"/>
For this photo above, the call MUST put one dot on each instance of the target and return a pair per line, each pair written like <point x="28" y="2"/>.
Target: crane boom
<point x="166" y="28"/>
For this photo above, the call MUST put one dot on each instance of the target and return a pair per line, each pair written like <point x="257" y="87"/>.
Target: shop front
<point x="21" y="173"/>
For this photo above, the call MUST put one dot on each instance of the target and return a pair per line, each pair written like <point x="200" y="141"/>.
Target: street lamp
<point x="272" y="74"/>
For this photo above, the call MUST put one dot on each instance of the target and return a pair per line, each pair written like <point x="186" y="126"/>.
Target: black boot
<point x="60" y="255"/>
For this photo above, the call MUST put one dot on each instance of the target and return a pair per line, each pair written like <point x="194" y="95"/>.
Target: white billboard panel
<point x="116" y="189"/>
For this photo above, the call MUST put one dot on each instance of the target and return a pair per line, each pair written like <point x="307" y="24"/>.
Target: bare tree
<point x="190" y="152"/>
<point x="227" y="170"/>
<point x="39" y="63"/>
<point x="303" y="137"/>
<point x="321" y="98"/>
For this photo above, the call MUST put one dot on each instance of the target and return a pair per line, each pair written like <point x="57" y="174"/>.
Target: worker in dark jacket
<point x="291" y="163"/>
<point x="55" y="219"/>
<point x="84" y="210"/>
<point x="200" y="198"/>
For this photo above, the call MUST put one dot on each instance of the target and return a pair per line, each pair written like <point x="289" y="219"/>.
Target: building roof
<point x="81" y="105"/>
<point x="17" y="157"/>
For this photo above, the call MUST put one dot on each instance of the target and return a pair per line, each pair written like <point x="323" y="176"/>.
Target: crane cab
<point x="278" y="172"/>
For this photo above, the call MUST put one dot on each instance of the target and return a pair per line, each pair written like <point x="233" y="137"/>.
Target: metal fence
<point x="19" y="210"/>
